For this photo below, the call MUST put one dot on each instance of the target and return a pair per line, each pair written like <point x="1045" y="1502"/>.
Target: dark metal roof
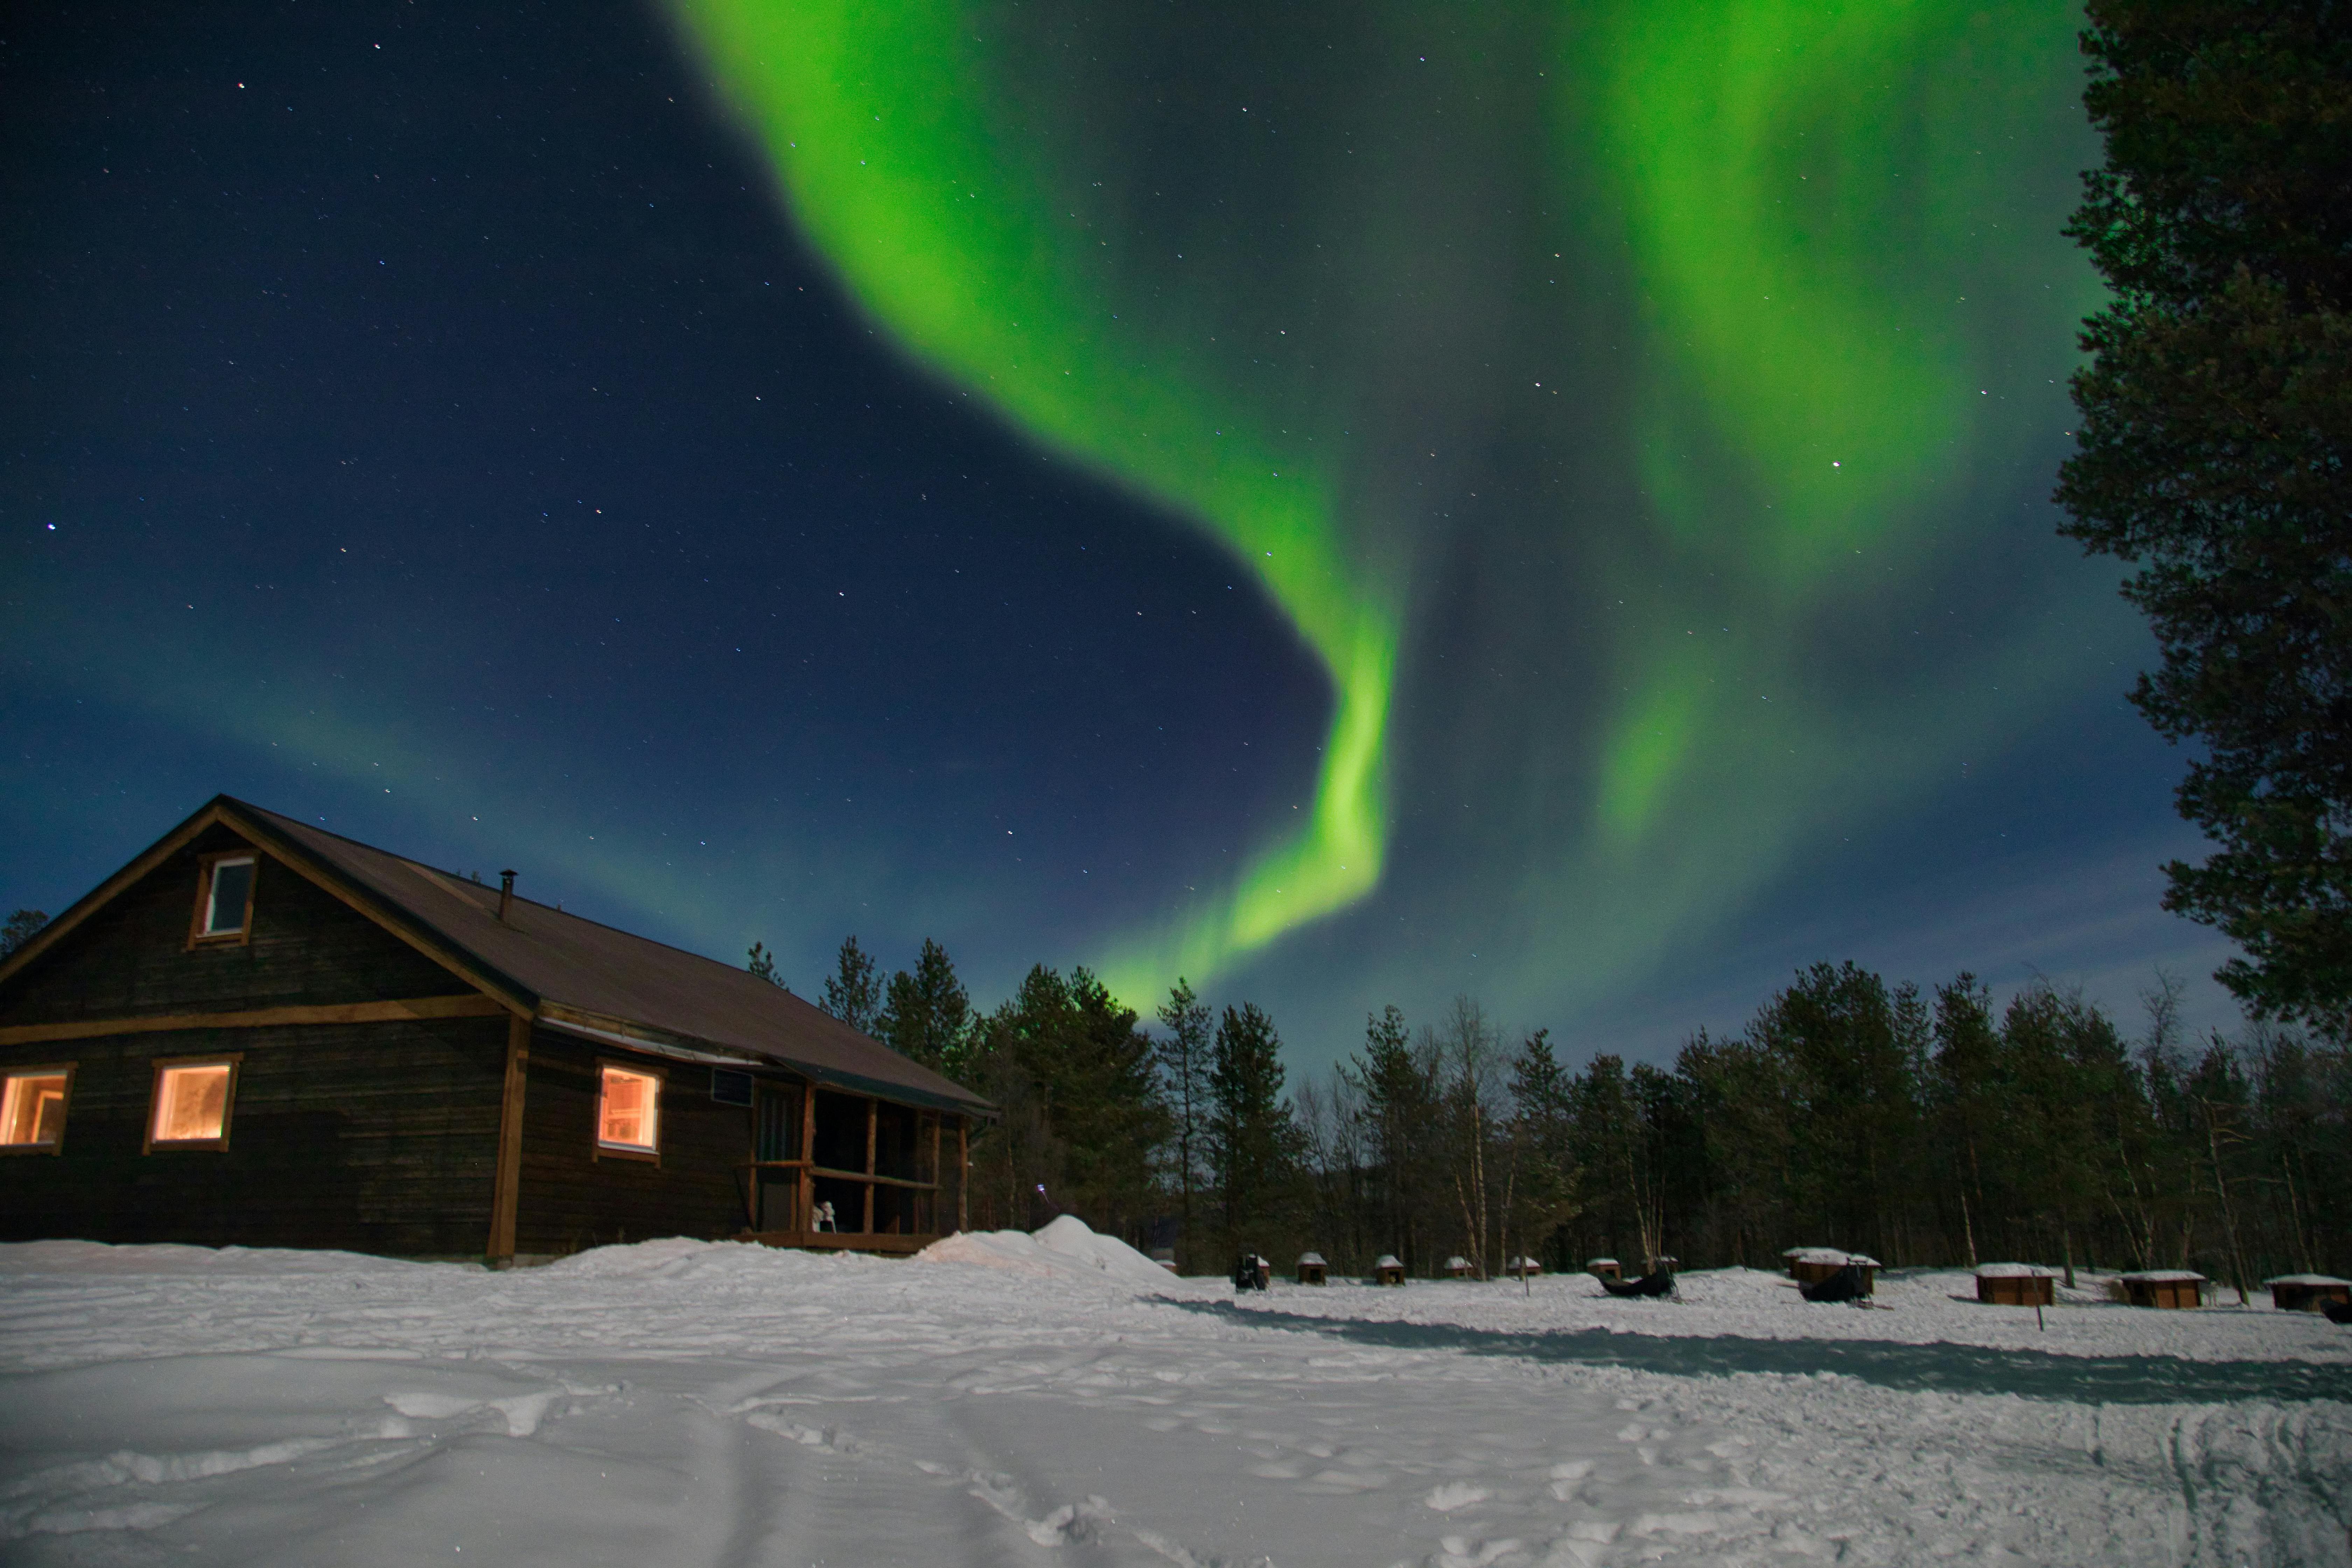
<point x="607" y="981"/>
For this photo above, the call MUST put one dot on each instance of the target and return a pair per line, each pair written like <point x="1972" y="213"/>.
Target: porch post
<point x="807" y="1206"/>
<point x="873" y="1114"/>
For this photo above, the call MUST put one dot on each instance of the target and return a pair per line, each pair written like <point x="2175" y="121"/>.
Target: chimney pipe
<point x="505" y="892"/>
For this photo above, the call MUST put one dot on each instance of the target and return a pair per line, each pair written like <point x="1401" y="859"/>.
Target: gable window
<point x="193" y="1099"/>
<point x="33" y="1110"/>
<point x="628" y="1110"/>
<point x="225" y="898"/>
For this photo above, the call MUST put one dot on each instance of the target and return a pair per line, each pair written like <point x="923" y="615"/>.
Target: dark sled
<point x="1845" y="1284"/>
<point x="2338" y="1311"/>
<point x="1661" y="1283"/>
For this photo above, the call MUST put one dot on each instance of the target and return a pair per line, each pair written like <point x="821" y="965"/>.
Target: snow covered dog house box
<point x="2017" y="1284"/>
<point x="1810" y="1264"/>
<point x="2304" y="1293"/>
<point x="1458" y="1268"/>
<point x="1388" y="1270"/>
<point x="258" y="1033"/>
<point x="2174" y="1288"/>
<point x="1603" y="1268"/>
<point x="1312" y="1269"/>
<point x="1523" y="1268"/>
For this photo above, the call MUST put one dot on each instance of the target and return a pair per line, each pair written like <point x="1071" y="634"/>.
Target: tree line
<point x="1921" y="1128"/>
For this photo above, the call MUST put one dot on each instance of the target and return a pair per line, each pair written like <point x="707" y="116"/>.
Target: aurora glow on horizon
<point x="1740" y="268"/>
<point x="1348" y="504"/>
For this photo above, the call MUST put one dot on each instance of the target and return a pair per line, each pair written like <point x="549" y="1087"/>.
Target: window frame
<point x="234" y="1062"/>
<point x="45" y="1069"/>
<point x="207" y="866"/>
<point x="648" y="1154"/>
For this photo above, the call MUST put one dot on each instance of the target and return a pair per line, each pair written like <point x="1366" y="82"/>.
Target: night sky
<point x="1352" y="503"/>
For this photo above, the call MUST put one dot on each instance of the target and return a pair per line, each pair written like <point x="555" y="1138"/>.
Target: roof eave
<point x="629" y="1032"/>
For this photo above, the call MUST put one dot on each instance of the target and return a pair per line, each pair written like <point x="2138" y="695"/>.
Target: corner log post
<point x="506" y="1190"/>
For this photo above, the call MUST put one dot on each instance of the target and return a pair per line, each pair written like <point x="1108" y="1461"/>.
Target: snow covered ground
<point x="1058" y="1400"/>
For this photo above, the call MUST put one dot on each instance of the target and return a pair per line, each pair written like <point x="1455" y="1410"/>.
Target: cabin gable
<point x="135" y="956"/>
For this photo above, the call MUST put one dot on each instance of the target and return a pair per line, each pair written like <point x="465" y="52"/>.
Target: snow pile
<point x="1068" y="1247"/>
<point x="681" y="1260"/>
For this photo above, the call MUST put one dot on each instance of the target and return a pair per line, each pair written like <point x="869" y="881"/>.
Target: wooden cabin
<point x="1458" y="1268"/>
<point x="2017" y="1284"/>
<point x="2168" y="1288"/>
<point x="1523" y="1268"/>
<point x="258" y="1033"/>
<point x="1807" y="1264"/>
<point x="1312" y="1269"/>
<point x="1603" y="1268"/>
<point x="1388" y="1270"/>
<point x="2304" y="1293"/>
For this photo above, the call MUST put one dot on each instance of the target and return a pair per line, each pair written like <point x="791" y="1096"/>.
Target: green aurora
<point x="1687" y="336"/>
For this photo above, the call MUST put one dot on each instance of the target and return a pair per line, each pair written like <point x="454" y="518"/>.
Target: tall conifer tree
<point x="2215" y="437"/>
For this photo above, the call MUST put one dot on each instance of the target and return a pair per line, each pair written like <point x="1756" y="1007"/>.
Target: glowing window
<point x="33" y="1110"/>
<point x="192" y="1103"/>
<point x="227" y="897"/>
<point x="629" y="1114"/>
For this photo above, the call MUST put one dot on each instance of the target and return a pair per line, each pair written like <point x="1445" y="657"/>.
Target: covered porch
<point x="834" y="1169"/>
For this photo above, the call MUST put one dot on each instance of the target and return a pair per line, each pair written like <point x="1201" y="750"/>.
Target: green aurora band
<point x="1771" y="251"/>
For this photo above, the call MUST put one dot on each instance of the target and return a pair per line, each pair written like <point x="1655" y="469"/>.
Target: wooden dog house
<point x="2304" y="1293"/>
<point x="1523" y="1268"/>
<point x="1603" y="1268"/>
<point x="2169" y="1288"/>
<point x="1312" y="1269"/>
<point x="1458" y="1268"/>
<point x="2017" y="1284"/>
<point x="1388" y="1270"/>
<point x="1810" y="1265"/>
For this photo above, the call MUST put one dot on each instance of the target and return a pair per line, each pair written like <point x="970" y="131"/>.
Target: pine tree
<point x="1397" y="1087"/>
<point x="1070" y="1054"/>
<point x="853" y="992"/>
<point x="1184" y="1054"/>
<point x="1252" y="1141"/>
<point x="763" y="963"/>
<point x="927" y="1014"/>
<point x="1541" y="1186"/>
<point x="2215" y="435"/>
<point x="21" y="928"/>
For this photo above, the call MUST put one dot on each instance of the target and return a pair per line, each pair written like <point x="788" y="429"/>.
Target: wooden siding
<point x="306" y="948"/>
<point x="2017" y="1289"/>
<point x="572" y="1198"/>
<point x="372" y="1137"/>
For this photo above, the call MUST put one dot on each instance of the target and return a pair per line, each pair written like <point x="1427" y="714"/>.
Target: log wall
<point x="369" y="1137"/>
<point x="575" y="1196"/>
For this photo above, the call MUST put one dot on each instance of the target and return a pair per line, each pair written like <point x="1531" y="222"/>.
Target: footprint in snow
<point x="1453" y="1495"/>
<point x="1461" y="1552"/>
